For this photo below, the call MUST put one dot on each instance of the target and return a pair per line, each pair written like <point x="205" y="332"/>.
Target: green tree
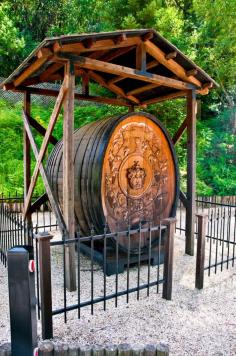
<point x="11" y="43"/>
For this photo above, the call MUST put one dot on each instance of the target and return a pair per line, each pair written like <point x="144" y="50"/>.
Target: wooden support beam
<point x="85" y="84"/>
<point x="191" y="172"/>
<point x="116" y="53"/>
<point x="53" y="201"/>
<point x="27" y="158"/>
<point x="105" y="67"/>
<point x="180" y="131"/>
<point x="183" y="198"/>
<point x="114" y="88"/>
<point x="45" y="143"/>
<point x="49" y="71"/>
<point x="98" y="99"/>
<point x="140" y="90"/>
<point x="173" y="66"/>
<point x="150" y="65"/>
<point x="176" y="95"/>
<point x="41" y="130"/>
<point x="39" y="202"/>
<point x="30" y="70"/>
<point x="68" y="175"/>
<point x="141" y="64"/>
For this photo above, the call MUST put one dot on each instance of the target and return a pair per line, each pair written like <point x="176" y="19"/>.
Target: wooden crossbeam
<point x="114" y="88"/>
<point x="45" y="143"/>
<point x="171" y="64"/>
<point x="52" y="92"/>
<point x="53" y="201"/>
<point x="105" y="67"/>
<point x="150" y="65"/>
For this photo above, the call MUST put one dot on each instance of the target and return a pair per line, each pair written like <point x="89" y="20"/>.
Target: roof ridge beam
<point x="99" y="45"/>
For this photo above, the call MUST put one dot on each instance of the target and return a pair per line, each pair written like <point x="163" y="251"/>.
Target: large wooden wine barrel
<point x="125" y="172"/>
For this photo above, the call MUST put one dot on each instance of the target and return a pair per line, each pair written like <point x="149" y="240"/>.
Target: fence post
<point x="22" y="301"/>
<point x="200" y="260"/>
<point x="168" y="257"/>
<point x="43" y="240"/>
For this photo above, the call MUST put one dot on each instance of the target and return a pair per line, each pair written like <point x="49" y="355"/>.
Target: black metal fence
<point x="13" y="229"/>
<point x="108" y="271"/>
<point x="216" y="243"/>
<point x="220" y="212"/>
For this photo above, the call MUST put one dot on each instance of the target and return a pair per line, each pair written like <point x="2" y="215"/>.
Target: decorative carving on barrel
<point x="137" y="175"/>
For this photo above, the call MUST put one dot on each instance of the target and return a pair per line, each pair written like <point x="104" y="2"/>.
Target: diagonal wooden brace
<point x="45" y="143"/>
<point x="51" y="197"/>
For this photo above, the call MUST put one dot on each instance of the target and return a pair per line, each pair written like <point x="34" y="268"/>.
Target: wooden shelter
<point x="139" y="67"/>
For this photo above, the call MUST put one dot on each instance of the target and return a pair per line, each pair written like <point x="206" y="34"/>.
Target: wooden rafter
<point x="49" y="71"/>
<point x="30" y="70"/>
<point x="105" y="67"/>
<point x="45" y="143"/>
<point x="171" y="64"/>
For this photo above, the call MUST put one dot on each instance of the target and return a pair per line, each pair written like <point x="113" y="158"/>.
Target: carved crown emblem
<point x="136" y="176"/>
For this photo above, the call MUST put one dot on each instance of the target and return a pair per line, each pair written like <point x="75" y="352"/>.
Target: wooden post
<point x="168" y="261"/>
<point x="43" y="240"/>
<point x="68" y="175"/>
<point x="191" y="172"/>
<point x="200" y="260"/>
<point x="27" y="157"/>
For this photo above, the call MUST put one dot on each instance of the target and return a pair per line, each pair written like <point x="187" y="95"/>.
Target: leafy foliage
<point x="203" y="30"/>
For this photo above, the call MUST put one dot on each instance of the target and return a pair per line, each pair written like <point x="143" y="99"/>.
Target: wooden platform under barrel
<point x="125" y="173"/>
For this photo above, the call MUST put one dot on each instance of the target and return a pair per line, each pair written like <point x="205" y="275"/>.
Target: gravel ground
<point x="193" y="323"/>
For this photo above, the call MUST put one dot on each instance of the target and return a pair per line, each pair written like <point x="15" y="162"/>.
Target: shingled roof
<point x="139" y="66"/>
